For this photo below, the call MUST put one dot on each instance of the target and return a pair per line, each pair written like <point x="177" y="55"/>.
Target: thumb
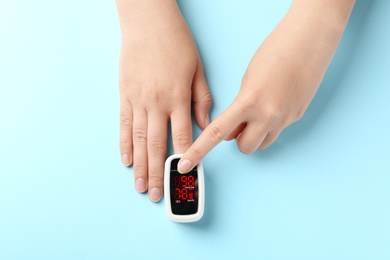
<point x="201" y="97"/>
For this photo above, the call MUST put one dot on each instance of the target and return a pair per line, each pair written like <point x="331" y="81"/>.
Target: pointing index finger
<point x="218" y="130"/>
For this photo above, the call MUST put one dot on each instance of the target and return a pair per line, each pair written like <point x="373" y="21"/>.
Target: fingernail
<point x="140" y="185"/>
<point x="125" y="159"/>
<point x="207" y="120"/>
<point x="155" y="194"/>
<point x="184" y="166"/>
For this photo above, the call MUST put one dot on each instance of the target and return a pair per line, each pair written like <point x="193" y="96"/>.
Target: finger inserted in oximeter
<point x="184" y="193"/>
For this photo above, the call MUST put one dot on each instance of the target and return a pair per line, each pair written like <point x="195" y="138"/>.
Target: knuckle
<point x="125" y="120"/>
<point x="180" y="96"/>
<point x="293" y="117"/>
<point x="153" y="94"/>
<point x="274" y="111"/>
<point x="206" y="98"/>
<point x="248" y="103"/>
<point x="155" y="178"/>
<point x="140" y="136"/>
<point x="153" y="91"/>
<point x="183" y="139"/>
<point x="216" y="132"/>
<point x="157" y="146"/>
<point x="125" y="145"/>
<point x="288" y="120"/>
<point x="245" y="149"/>
<point x="140" y="169"/>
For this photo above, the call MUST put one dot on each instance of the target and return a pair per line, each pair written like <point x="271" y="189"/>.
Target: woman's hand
<point x="281" y="79"/>
<point x="160" y="73"/>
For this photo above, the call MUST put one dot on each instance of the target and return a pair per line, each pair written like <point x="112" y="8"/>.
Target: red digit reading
<point x="177" y="194"/>
<point x="190" y="181"/>
<point x="184" y="193"/>
<point x="183" y="181"/>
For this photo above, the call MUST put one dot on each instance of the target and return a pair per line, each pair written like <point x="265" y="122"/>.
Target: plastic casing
<point x="167" y="175"/>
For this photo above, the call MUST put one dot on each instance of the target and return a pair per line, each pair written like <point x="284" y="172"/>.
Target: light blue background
<point x="320" y="192"/>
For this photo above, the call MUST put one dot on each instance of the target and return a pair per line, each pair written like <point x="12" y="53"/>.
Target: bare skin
<point x="280" y="81"/>
<point x="161" y="72"/>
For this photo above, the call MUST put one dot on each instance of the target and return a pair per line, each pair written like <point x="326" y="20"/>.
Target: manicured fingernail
<point x="207" y="120"/>
<point x="155" y="194"/>
<point x="140" y="185"/>
<point x="184" y="166"/>
<point x="125" y="159"/>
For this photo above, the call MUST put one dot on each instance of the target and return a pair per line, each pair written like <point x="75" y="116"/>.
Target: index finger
<point x="218" y="130"/>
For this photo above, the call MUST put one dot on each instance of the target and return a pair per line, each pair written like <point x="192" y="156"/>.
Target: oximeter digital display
<point x="184" y="193"/>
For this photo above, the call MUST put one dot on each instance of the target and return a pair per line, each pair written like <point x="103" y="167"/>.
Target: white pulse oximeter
<point x="184" y="193"/>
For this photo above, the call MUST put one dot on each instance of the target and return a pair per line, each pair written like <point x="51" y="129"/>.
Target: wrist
<point x="136" y="14"/>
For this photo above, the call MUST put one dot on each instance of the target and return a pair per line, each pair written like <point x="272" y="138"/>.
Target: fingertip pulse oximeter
<point x="184" y="193"/>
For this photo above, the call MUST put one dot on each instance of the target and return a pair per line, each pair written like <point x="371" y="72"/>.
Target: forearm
<point x="337" y="11"/>
<point x="311" y="30"/>
<point x="328" y="16"/>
